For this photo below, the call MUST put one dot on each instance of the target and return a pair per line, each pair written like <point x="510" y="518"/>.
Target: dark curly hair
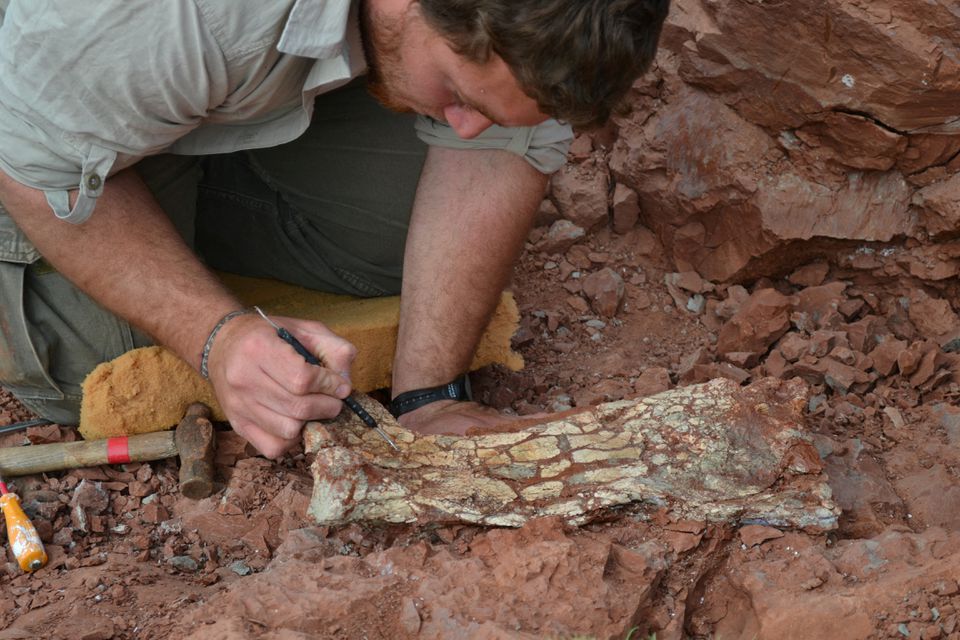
<point x="576" y="58"/>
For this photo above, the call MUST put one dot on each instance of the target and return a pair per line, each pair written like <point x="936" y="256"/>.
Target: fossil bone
<point x="713" y="451"/>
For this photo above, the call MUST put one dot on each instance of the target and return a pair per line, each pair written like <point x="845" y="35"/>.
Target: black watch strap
<point x="458" y="389"/>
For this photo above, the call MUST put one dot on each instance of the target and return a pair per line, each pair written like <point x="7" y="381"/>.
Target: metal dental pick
<point x="353" y="405"/>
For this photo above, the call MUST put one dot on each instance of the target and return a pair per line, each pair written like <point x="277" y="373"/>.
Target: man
<point x="143" y="141"/>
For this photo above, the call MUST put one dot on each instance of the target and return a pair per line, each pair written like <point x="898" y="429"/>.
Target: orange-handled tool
<point x="23" y="537"/>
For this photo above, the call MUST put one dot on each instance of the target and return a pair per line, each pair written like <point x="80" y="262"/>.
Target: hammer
<point x="193" y="440"/>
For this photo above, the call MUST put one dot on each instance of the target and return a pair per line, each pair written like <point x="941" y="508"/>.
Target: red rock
<point x="861" y="488"/>
<point x="580" y="148"/>
<point x="775" y="365"/>
<point x="821" y="302"/>
<point x="642" y="300"/>
<point x="687" y="526"/>
<point x="409" y="617"/>
<point x="742" y="359"/>
<point x="535" y="235"/>
<point x="736" y="296"/>
<point x="909" y="359"/>
<point x="823" y="342"/>
<point x="754" y="534"/>
<point x="851" y="307"/>
<point x="598" y="257"/>
<point x="865" y="334"/>
<point x="885" y="355"/>
<point x="644" y="241"/>
<point x="862" y="362"/>
<point x="840" y="377"/>
<point x="793" y="346"/>
<point x="230" y="448"/>
<point x="939" y="205"/>
<point x="926" y="367"/>
<point x="681" y="542"/>
<point x="90" y="497"/>
<point x="140" y="489"/>
<point x="547" y="214"/>
<point x="932" y="496"/>
<point x="523" y="336"/>
<point x="809" y="275"/>
<point x="933" y="317"/>
<point x="565" y="269"/>
<point x="154" y="512"/>
<point x="844" y="355"/>
<point x="44" y="434"/>
<point x="653" y="380"/>
<point x="580" y="193"/>
<point x="853" y="141"/>
<point x="626" y="208"/>
<point x="688" y="281"/>
<point x="712" y="370"/>
<point x="604" y="289"/>
<point x="760" y="322"/>
<point x="688" y="363"/>
<point x="562" y="235"/>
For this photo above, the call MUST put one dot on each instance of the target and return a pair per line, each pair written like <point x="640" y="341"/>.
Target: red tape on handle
<point x="118" y="450"/>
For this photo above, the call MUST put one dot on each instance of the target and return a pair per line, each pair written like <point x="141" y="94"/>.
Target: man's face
<point x="413" y="69"/>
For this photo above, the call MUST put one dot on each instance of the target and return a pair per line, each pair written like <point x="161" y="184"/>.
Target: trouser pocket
<point x="21" y="369"/>
<point x="51" y="334"/>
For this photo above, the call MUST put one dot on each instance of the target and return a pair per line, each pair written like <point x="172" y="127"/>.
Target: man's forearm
<point x="130" y="259"/>
<point x="471" y="215"/>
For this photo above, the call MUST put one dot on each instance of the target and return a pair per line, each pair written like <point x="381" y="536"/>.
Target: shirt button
<point x="94" y="181"/>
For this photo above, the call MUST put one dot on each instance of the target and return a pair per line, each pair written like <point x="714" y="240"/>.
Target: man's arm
<point x="472" y="212"/>
<point x="130" y="259"/>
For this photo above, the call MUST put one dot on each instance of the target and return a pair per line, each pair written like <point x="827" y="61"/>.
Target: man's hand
<point x="456" y="418"/>
<point x="267" y="389"/>
<point x="130" y="259"/>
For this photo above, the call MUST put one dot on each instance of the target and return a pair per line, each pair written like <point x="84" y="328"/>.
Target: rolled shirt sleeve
<point x="73" y="110"/>
<point x="543" y="146"/>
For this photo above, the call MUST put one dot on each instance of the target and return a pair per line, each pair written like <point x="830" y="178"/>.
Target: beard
<point x="382" y="38"/>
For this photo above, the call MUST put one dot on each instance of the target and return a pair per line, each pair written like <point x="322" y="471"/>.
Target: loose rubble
<point x="758" y="214"/>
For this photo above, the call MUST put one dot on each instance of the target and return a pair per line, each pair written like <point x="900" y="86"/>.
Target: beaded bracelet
<point x="205" y="355"/>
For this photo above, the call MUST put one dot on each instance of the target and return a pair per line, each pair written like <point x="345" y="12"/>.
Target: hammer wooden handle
<point x="20" y="461"/>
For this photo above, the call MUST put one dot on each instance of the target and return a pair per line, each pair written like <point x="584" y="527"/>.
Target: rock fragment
<point x="626" y="208"/>
<point x="562" y="235"/>
<point x="604" y="290"/>
<point x="758" y="323"/>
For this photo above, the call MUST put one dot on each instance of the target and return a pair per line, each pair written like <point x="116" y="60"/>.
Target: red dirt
<point x="147" y="563"/>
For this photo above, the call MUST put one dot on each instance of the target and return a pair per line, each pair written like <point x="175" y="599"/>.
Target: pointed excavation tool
<point x="24" y="540"/>
<point x="352" y="404"/>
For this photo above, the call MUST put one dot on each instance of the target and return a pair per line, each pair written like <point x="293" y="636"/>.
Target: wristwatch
<point x="457" y="389"/>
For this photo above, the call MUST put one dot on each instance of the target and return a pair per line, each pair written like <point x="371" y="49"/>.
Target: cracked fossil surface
<point x="714" y="451"/>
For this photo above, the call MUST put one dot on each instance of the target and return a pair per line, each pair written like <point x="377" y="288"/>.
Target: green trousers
<point x="328" y="211"/>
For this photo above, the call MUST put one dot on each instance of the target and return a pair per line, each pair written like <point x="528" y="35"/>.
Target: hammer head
<point x="195" y="445"/>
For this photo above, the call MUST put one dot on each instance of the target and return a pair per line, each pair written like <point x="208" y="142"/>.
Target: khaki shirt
<point x="88" y="88"/>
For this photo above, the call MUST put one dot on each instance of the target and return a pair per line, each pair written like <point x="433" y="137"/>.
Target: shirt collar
<point x="316" y="29"/>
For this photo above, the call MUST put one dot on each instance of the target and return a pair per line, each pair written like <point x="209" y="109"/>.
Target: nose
<point x="467" y="122"/>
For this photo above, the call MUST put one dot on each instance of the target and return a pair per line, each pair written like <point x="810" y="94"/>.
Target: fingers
<point x="267" y="390"/>
<point x="267" y="443"/>
<point x="336" y="353"/>
<point x="452" y="417"/>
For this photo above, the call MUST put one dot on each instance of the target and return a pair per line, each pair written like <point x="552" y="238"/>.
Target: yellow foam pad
<point x="149" y="389"/>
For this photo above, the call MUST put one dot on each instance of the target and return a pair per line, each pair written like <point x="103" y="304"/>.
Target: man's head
<point x="576" y="58"/>
<point x="473" y="63"/>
